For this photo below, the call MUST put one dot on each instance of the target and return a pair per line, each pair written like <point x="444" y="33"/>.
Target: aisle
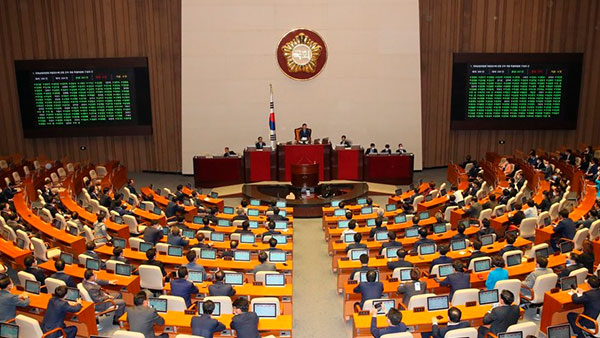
<point x="317" y="306"/>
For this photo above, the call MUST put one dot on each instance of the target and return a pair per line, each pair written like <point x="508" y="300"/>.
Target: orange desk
<point x="434" y="205"/>
<point x="218" y="203"/>
<point x="543" y="235"/>
<point x="146" y="215"/>
<point x="231" y="229"/>
<point x="190" y="210"/>
<point x="332" y="232"/>
<point x="263" y="209"/>
<point x="556" y="307"/>
<point x="355" y="208"/>
<point x="13" y="253"/>
<point x="257" y="246"/>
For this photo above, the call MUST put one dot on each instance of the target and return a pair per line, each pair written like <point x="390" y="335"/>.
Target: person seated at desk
<point x="204" y="325"/>
<point x="219" y="288"/>
<point x="264" y="265"/>
<point x="200" y="238"/>
<point x="391" y="243"/>
<point x="176" y="239"/>
<point x="130" y="186"/>
<point x="473" y="210"/>
<point x="497" y="274"/>
<point x="451" y="203"/>
<point x="443" y="259"/>
<point x="460" y="228"/>
<point x="491" y="203"/>
<point x="32" y="268"/>
<point x="153" y="234"/>
<point x="271" y="229"/>
<point x="564" y="229"/>
<point x="182" y="287"/>
<point x="8" y="301"/>
<point x="191" y="265"/>
<point x="56" y="311"/>
<point x="240" y="215"/>
<point x="304" y="134"/>
<point x="89" y="251"/>
<point x="486" y="228"/>
<point x="141" y="317"/>
<point x="100" y="297"/>
<point x="586" y="258"/>
<point x="233" y="244"/>
<point x="518" y="216"/>
<point x="401" y="149"/>
<point x="118" y="255"/>
<point x="229" y="153"/>
<point x="587" y="220"/>
<point x="500" y="317"/>
<point x="571" y="264"/>
<point x="531" y="210"/>
<point x="412" y="287"/>
<point x="399" y="262"/>
<point x="273" y="244"/>
<point x="371" y="289"/>
<point x="386" y="150"/>
<point x="591" y="306"/>
<point x="175" y="207"/>
<point x="378" y="227"/>
<point x="510" y="244"/>
<point x="100" y="231"/>
<point x="592" y="171"/>
<point x="105" y="199"/>
<point x="394" y="319"/>
<point x="350" y="229"/>
<point x="541" y="268"/>
<point x="259" y="143"/>
<point x="357" y="243"/>
<point x="458" y="280"/>
<point x="454" y="323"/>
<point x="371" y="150"/>
<point x="423" y="233"/>
<point x="364" y="266"/>
<point x="245" y="228"/>
<point x="151" y="255"/>
<point x="243" y="322"/>
<point x="276" y="216"/>
<point x="476" y="253"/>
<point x="344" y="142"/>
<point x="206" y="220"/>
<point x="59" y="265"/>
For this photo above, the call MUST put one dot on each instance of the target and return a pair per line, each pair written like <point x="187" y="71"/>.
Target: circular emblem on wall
<point x="301" y="54"/>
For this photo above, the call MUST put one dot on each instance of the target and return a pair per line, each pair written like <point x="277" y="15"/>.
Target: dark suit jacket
<point x="591" y="302"/>
<point x="259" y="145"/>
<point x="408" y="290"/>
<point x="369" y="290"/>
<point x="507" y="248"/>
<point x="476" y="254"/>
<point x="172" y="208"/>
<point x="246" y="325"/>
<point x="177" y="240"/>
<point x="567" y="270"/>
<point x="131" y="189"/>
<point x="457" y="281"/>
<point x="156" y="263"/>
<point x="56" y="312"/>
<point x="440" y="260"/>
<point x="221" y="289"/>
<point x="501" y="318"/>
<point x="517" y="217"/>
<point x="152" y="235"/>
<point x="377" y="333"/>
<point x="399" y="264"/>
<point x="355" y="246"/>
<point x="374" y="230"/>
<point x="305" y="133"/>
<point x="565" y="229"/>
<point x="545" y="204"/>
<point x="185" y="289"/>
<point x="38" y="273"/>
<point x="205" y="326"/>
<point x="65" y="278"/>
<point x="371" y="151"/>
<point x="436" y="332"/>
<point x="142" y="319"/>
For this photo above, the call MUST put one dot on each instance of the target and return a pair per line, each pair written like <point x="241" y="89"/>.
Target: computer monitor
<point x="566" y="247"/>
<point x="253" y="212"/>
<point x="568" y="283"/>
<point x="20" y="243"/>
<point x="356" y="253"/>
<point x="223" y="223"/>
<point x="241" y="256"/>
<point x="274" y="279"/>
<point x="188" y="233"/>
<point x="158" y="304"/>
<point x="335" y="204"/>
<point x="92" y="264"/>
<point x="500" y="212"/>
<point x="157" y="211"/>
<point x="165" y="231"/>
<point x="437" y="303"/>
<point x="118" y="219"/>
<point x="187" y="202"/>
<point x="339" y="212"/>
<point x="518" y="334"/>
<point x="390" y="207"/>
<point x="145" y="246"/>
<point x="428" y="198"/>
<point x="277" y="256"/>
<point x="228" y="210"/>
<point x="559" y="331"/>
<point x="208" y="253"/>
<point x="67" y="258"/>
<point x="514" y="232"/>
<point x="543" y="252"/>
<point x="458" y="245"/>
<point x="488" y="297"/>
<point x="175" y="251"/>
<point x="486" y="240"/>
<point x="391" y="252"/>
<point x="280" y="204"/>
<point x="9" y="330"/>
<point x="381" y="236"/>
<point x="370" y="222"/>
<point x="424" y="215"/>
<point x="349" y="238"/>
<point x="217" y="236"/>
<point x="512" y="260"/>
<point x="482" y="265"/>
<point x="385" y="303"/>
<point x="465" y="222"/>
<point x="253" y="224"/>
<point x="265" y="310"/>
<point x="234" y="278"/>
<point x="426" y="249"/>
<point x="56" y="223"/>
<point x="123" y="269"/>
<point x="439" y="228"/>
<point x="405" y="275"/>
<point x="281" y="225"/>
<point x="142" y="206"/>
<point x="119" y="242"/>
<point x="547" y="221"/>
<point x="282" y="213"/>
<point x="32" y="286"/>
<point x="445" y="270"/>
<point x="72" y="294"/>
<point x="366" y="210"/>
<point x="158" y="191"/>
<point x="131" y="201"/>
<point x="281" y="239"/>
<point x="412" y="232"/>
<point x="343" y="223"/>
<point x="363" y="276"/>
<point x="400" y="219"/>
<point x="197" y="220"/>
<point x="73" y="231"/>
<point x="361" y="201"/>
<point x="247" y="238"/>
<point x="196" y="276"/>
<point x="216" y="311"/>
<point x="255" y="202"/>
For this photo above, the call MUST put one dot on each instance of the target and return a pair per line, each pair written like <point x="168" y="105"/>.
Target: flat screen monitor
<point x="188" y="233"/>
<point x="559" y="331"/>
<point x="281" y="225"/>
<point x="384" y="303"/>
<point x="216" y="311"/>
<point x="339" y="212"/>
<point x="165" y="231"/>
<point x="247" y="238"/>
<point x="437" y="303"/>
<point x="9" y="330"/>
<point x="361" y="201"/>
<point x="390" y="207"/>
<point x="280" y="204"/>
<point x="56" y="223"/>
<point x="349" y="238"/>
<point x="356" y="253"/>
<point x="391" y="251"/>
<point x="217" y="236"/>
<point x="145" y="246"/>
<point x="366" y="210"/>
<point x="343" y="223"/>
<point x="131" y="201"/>
<point x="265" y="310"/>
<point x="381" y="236"/>
<point x="32" y="286"/>
<point x="486" y="240"/>
<point x="400" y="219"/>
<point x="175" y="251"/>
<point x="445" y="270"/>
<point x="518" y="334"/>
<point x="428" y="198"/>
<point x="547" y="221"/>
<point x="255" y="202"/>
<point x="118" y="242"/>
<point x="157" y="211"/>
<point x="72" y="294"/>
<point x="241" y="256"/>
<point x="214" y="194"/>
<point x="543" y="252"/>
<point x="405" y="275"/>
<point x="488" y="297"/>
<point x="228" y="210"/>
<point x="142" y="206"/>
<point x="197" y="220"/>
<point x="512" y="260"/>
<point x="439" y="228"/>
<point x="208" y="254"/>
<point x="465" y="222"/>
<point x="92" y="264"/>
<point x="363" y="276"/>
<point x="274" y="279"/>
<point x="282" y="213"/>
<point x="196" y="276"/>
<point x="281" y="239"/>
<point x="566" y="247"/>
<point x="277" y="256"/>
<point x="458" y="245"/>
<point x="514" y="232"/>
<point x="223" y="223"/>
<point x="118" y="219"/>
<point x="424" y="215"/>
<point x="412" y="232"/>
<point x="370" y="222"/>
<point x="73" y="231"/>
<point x="335" y="204"/>
<point x="234" y="278"/>
<point x="253" y="224"/>
<point x="67" y="258"/>
<point x="568" y="283"/>
<point x="482" y="265"/>
<point x="158" y="304"/>
<point x="123" y="269"/>
<point x="426" y="249"/>
<point x="253" y="212"/>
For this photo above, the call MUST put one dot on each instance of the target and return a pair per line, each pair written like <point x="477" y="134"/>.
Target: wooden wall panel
<point x="523" y="26"/>
<point x="48" y="29"/>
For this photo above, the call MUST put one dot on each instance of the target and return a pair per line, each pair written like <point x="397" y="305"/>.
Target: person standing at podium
<point x="371" y="149"/>
<point x="229" y="153"/>
<point x="401" y="149"/>
<point x="259" y="143"/>
<point x="344" y="142"/>
<point x="304" y="134"/>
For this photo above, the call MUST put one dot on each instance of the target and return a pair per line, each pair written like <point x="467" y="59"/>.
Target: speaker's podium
<point x="260" y="164"/>
<point x="290" y="154"/>
<point x="305" y="175"/>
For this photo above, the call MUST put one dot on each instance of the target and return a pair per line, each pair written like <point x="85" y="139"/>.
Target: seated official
<point x="182" y="287"/>
<point x="423" y="233"/>
<point x="271" y="230"/>
<point x="59" y="265"/>
<point x="378" y="227"/>
<point x="100" y="231"/>
<point x="273" y="244"/>
<point x="204" y="325"/>
<point x="141" y="317"/>
<point x="564" y="229"/>
<point x="458" y="280"/>
<point x="176" y="239"/>
<point x="233" y="244"/>
<point x="344" y="142"/>
<point x="240" y="215"/>
<point x="497" y="274"/>
<point x="486" y="228"/>
<point x="89" y="251"/>
<point x="219" y="288"/>
<point x="476" y="253"/>
<point x="461" y="232"/>
<point x="364" y="266"/>
<point x="129" y="185"/>
<point x="473" y="210"/>
<point x="264" y="265"/>
<point x="454" y="323"/>
<point x="243" y="322"/>
<point x="371" y="150"/>
<point x="412" y="287"/>
<point x="386" y="150"/>
<point x="8" y="301"/>
<point x="32" y="268"/>
<point x="175" y="207"/>
<point x="571" y="265"/>
<point x="591" y="306"/>
<point x="304" y="135"/>
<point x="56" y="312"/>
<point x="259" y="143"/>
<point x="401" y="149"/>
<point x="99" y="296"/>
<point x="443" y="259"/>
<point x="151" y="255"/>
<point x="153" y="234"/>
<point x="394" y="319"/>
<point x="531" y="210"/>
<point x="510" y="244"/>
<point x="245" y="228"/>
<point x="518" y="216"/>
<point x="350" y="229"/>
<point x="491" y="203"/>
<point x="500" y="317"/>
<point x="276" y="216"/>
<point x="200" y="238"/>
<point x="371" y="289"/>
<point x="191" y="265"/>
<point x="399" y="262"/>
<point x="541" y="268"/>
<point x="118" y="255"/>
<point x="391" y="243"/>
<point x="357" y="244"/>
<point x="229" y="153"/>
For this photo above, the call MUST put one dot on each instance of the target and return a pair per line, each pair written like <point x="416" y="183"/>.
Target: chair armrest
<point x="400" y="304"/>
<point x="111" y="309"/>
<point x="584" y="328"/>
<point x="490" y="335"/>
<point x="10" y="320"/>
<point x="58" y="329"/>
<point x="529" y="299"/>
<point x="193" y="306"/>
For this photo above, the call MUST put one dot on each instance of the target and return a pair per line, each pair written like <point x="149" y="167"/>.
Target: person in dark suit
<point x="344" y="142"/>
<point x="32" y="268"/>
<point x="391" y="243"/>
<point x="546" y="203"/>
<point x="8" y="301"/>
<point x="153" y="234"/>
<point x="510" y="244"/>
<point x="486" y="228"/>
<point x="423" y="240"/>
<point x="56" y="311"/>
<point x="491" y="203"/>
<point x="501" y="317"/>
<point x="60" y="274"/>
<point x="176" y="239"/>
<point x="175" y="207"/>
<point x="476" y="251"/>
<point x="378" y="227"/>
<point x="386" y="150"/>
<point x="243" y="322"/>
<point x="89" y="251"/>
<point x="518" y="216"/>
<point x="461" y="233"/>
<point x="204" y="325"/>
<point x="130" y="186"/>
<point x="371" y="289"/>
<point x="443" y="259"/>
<point x="401" y="149"/>
<point x="118" y="255"/>
<point x="182" y="287"/>
<point x="229" y="153"/>
<point x="572" y="264"/>
<point x="99" y="296"/>
<point x="141" y="317"/>
<point x="206" y="223"/>
<point x="305" y="133"/>
<point x="200" y="238"/>
<point x="105" y="199"/>
<point x="364" y="266"/>
<point x="454" y="323"/>
<point x="394" y="319"/>
<point x="357" y="244"/>
<point x="412" y="287"/>
<point x="259" y="143"/>
<point x="233" y="244"/>
<point x="400" y="263"/>
<point x="458" y="280"/>
<point x="591" y="305"/>
<point x="371" y="150"/>
<point x="276" y="216"/>
<point x="564" y="229"/>
<point x="151" y="254"/>
<point x="245" y="228"/>
<point x="219" y="288"/>
<point x="271" y="230"/>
